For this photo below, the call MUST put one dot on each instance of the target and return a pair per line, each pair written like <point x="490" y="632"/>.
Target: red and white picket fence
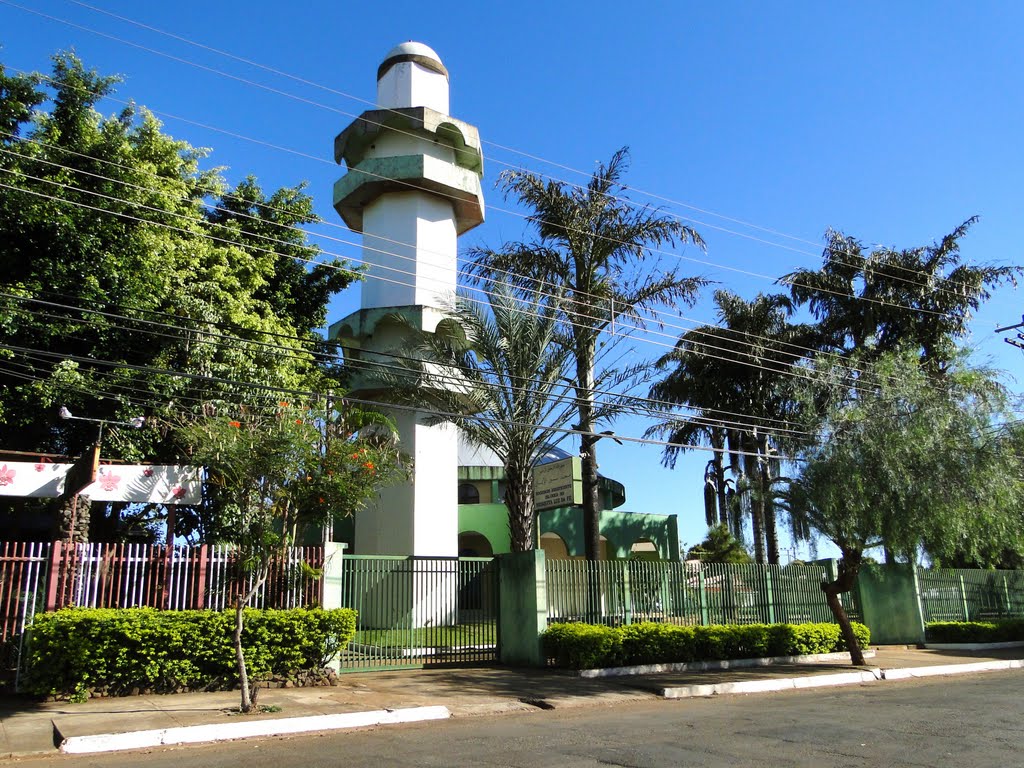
<point x="47" y="576"/>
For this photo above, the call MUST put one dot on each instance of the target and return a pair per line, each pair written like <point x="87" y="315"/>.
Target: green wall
<point x="889" y="603"/>
<point x="522" y="608"/>
<point x="621" y="529"/>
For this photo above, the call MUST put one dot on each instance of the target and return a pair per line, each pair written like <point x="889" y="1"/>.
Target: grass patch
<point x="458" y="635"/>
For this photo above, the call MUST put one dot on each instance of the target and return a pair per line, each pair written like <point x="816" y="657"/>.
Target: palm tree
<point x="734" y="378"/>
<point x="589" y="245"/>
<point x="498" y="373"/>
<point x="887" y="298"/>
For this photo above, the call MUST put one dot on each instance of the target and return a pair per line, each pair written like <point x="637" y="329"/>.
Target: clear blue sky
<point x="891" y="122"/>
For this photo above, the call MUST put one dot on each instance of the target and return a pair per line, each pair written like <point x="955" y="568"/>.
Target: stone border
<point x="974" y="646"/>
<point x="192" y="734"/>
<point x="765" y="686"/>
<point x="951" y="669"/>
<point x="711" y="666"/>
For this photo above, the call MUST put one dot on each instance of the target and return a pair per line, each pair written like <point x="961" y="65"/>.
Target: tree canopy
<point x="277" y="470"/>
<point x="900" y="459"/>
<point x="132" y="277"/>
<point x="498" y="371"/>
<point x="136" y="282"/>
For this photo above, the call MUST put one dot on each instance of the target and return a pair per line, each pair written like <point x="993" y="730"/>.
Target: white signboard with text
<point x="558" y="484"/>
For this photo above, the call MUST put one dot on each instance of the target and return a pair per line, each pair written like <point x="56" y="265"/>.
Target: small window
<point x="468" y="494"/>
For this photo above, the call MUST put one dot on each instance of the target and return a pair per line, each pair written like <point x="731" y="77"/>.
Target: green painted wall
<point x="889" y="603"/>
<point x="522" y="608"/>
<point x="622" y="529"/>
<point x="490" y="521"/>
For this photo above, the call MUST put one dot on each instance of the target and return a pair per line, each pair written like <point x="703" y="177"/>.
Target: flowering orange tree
<point x="284" y="468"/>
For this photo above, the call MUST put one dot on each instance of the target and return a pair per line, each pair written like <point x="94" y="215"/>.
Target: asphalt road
<point x="970" y="720"/>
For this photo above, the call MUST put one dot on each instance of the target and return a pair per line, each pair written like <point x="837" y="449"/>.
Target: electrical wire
<point x="512" y="150"/>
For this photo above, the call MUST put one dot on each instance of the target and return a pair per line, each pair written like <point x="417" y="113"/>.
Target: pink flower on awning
<point x="178" y="492"/>
<point x="40" y="467"/>
<point x="147" y="472"/>
<point x="108" y="482"/>
<point x="6" y="475"/>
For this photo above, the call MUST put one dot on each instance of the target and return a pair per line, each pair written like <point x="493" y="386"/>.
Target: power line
<point x="640" y="405"/>
<point x="337" y="92"/>
<point x="805" y="351"/>
<point x="678" y="256"/>
<point x="786" y="371"/>
<point x="359" y="401"/>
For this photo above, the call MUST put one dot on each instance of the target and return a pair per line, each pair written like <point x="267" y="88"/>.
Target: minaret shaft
<point x="412" y="187"/>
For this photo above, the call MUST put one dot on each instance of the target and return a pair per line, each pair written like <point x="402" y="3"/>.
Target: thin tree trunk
<point x="588" y="451"/>
<point x="754" y="498"/>
<point x="718" y="443"/>
<point x="771" y="532"/>
<point x="249" y="693"/>
<point x="735" y="502"/>
<point x="849" y="566"/>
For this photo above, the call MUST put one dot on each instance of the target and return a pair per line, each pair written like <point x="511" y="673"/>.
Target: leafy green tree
<point x="135" y="282"/>
<point x="498" y="372"/>
<point x="280" y="470"/>
<point x="589" y="246"/>
<point x="900" y="459"/>
<point x="720" y="546"/>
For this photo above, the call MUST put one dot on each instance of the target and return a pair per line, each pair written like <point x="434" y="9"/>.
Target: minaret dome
<point x="412" y="75"/>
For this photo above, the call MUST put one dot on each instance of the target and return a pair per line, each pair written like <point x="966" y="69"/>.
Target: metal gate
<point x="420" y="611"/>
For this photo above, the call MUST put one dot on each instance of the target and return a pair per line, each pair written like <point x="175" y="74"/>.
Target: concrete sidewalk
<point x="31" y="728"/>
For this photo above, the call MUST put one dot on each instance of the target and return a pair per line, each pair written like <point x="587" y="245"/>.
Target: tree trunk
<point x="521" y="515"/>
<point x="249" y="692"/>
<point x="754" y="498"/>
<point x="734" y="500"/>
<point x="771" y="533"/>
<point x="588" y="454"/>
<point x="718" y="443"/>
<point x="849" y="566"/>
<point x="243" y="674"/>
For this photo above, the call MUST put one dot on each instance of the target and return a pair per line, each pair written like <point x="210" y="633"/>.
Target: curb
<point x="951" y="669"/>
<point x="765" y="686"/>
<point x="974" y="646"/>
<point x="713" y="666"/>
<point x="192" y="734"/>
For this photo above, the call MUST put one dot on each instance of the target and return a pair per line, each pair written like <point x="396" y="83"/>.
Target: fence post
<point x="702" y="595"/>
<point x="769" y="593"/>
<point x="165" y="586"/>
<point x="333" y="577"/>
<point x="522" y="607"/>
<point x="1006" y="595"/>
<point x="963" y="599"/>
<point x="53" y="577"/>
<point x="627" y="595"/>
<point x="204" y="562"/>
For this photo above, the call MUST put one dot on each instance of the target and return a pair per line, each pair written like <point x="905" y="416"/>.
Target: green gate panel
<point x="889" y="603"/>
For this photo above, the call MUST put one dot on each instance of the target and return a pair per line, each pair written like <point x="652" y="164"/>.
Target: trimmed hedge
<point x="1002" y="631"/>
<point x="589" y="646"/>
<point x="124" y="651"/>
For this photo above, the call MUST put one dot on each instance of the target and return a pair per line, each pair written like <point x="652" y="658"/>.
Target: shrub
<point x="1001" y="631"/>
<point x="581" y="646"/>
<point x="121" y="650"/>
<point x="584" y="646"/>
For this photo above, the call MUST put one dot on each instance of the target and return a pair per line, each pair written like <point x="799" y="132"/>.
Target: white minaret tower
<point x="412" y="187"/>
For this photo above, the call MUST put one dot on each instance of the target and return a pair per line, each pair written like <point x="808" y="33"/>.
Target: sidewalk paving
<point x="32" y="728"/>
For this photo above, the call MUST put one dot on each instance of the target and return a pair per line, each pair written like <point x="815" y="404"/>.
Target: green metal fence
<point x="953" y="594"/>
<point x="420" y="611"/>
<point x="626" y="591"/>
